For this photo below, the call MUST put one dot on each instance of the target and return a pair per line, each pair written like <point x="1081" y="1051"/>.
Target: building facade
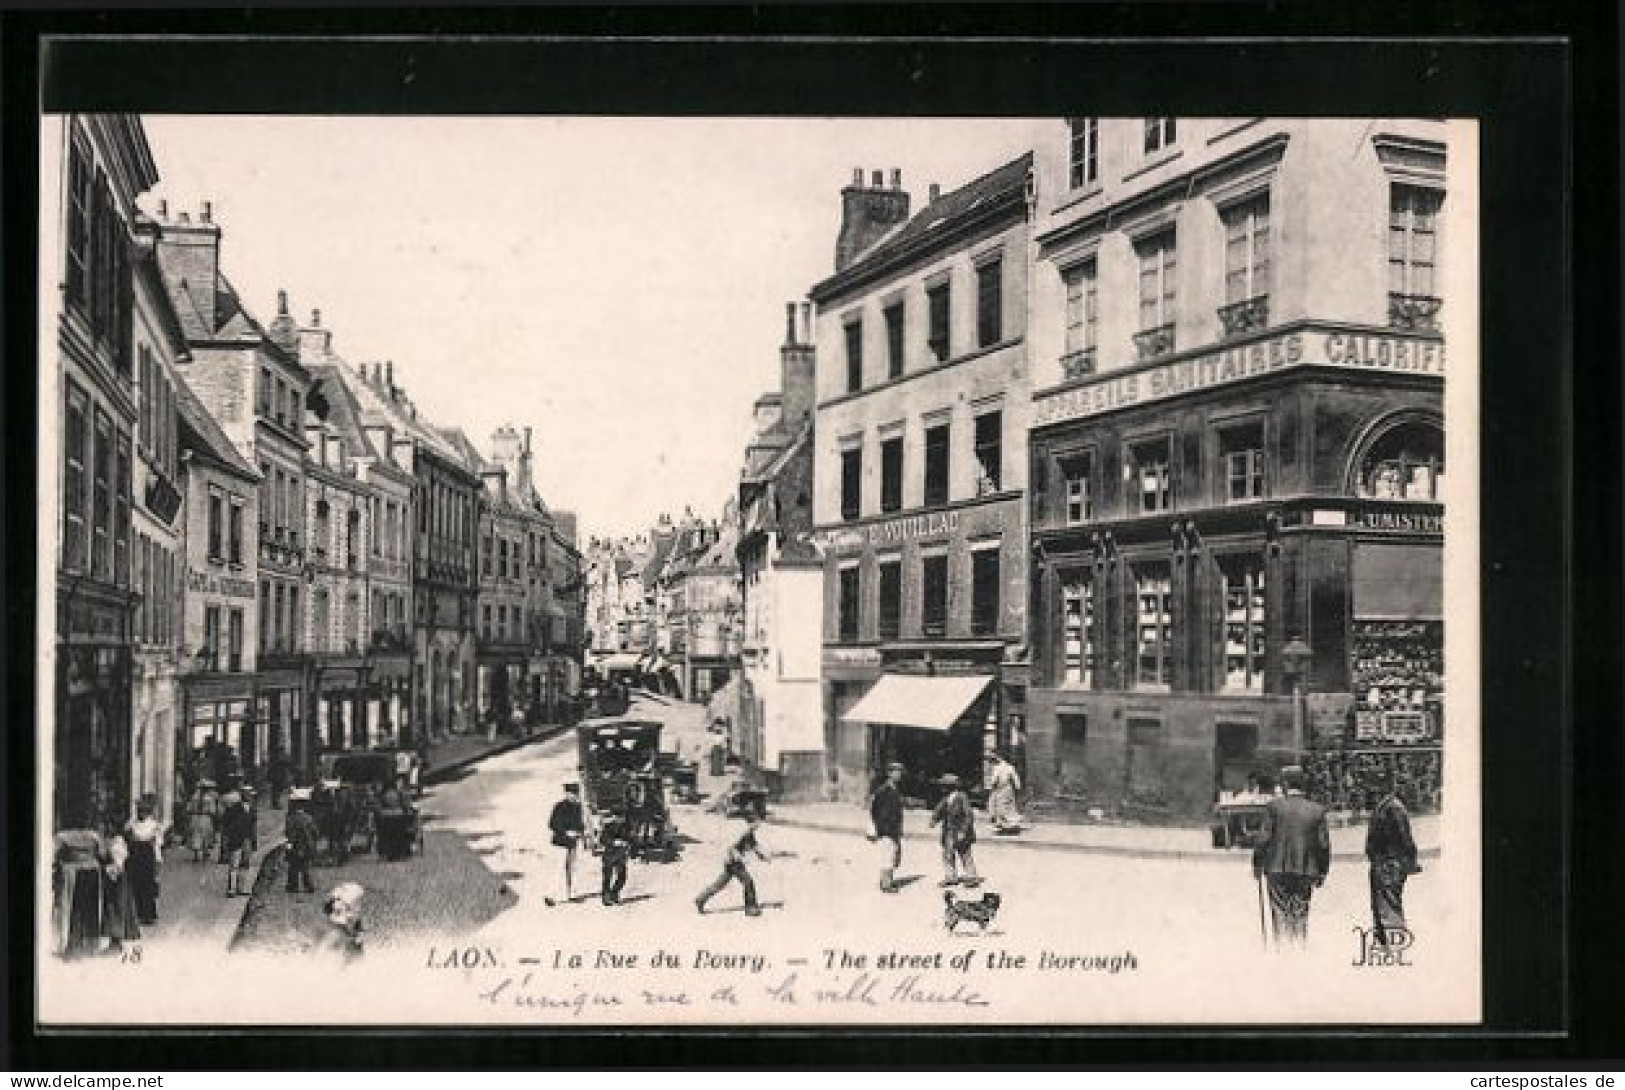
<point x="1237" y="458"/>
<point x="777" y="730"/>
<point x="95" y="166"/>
<point x="255" y="390"/>
<point x="158" y="542"/>
<point x="218" y="613"/>
<point x="365" y="438"/>
<point x="919" y="483"/>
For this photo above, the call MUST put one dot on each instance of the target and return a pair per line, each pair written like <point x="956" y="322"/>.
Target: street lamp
<point x="1296" y="655"/>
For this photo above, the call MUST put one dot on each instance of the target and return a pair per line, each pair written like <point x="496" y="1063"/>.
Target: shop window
<point x="1077" y="476"/>
<point x="1083" y="158"/>
<point x="847" y="612"/>
<point x="937" y="336"/>
<point x="75" y="434"/>
<point x="854" y="356"/>
<point x="1406" y="463"/>
<point x="936" y="465"/>
<point x="896" y="340"/>
<point x="1153" y="626"/>
<point x="1244" y="623"/>
<point x="989" y="452"/>
<point x="851" y="483"/>
<point x="891" y="474"/>
<point x="1241" y="453"/>
<point x="1160" y="133"/>
<point x="984" y="607"/>
<point x="891" y="599"/>
<point x="1146" y="786"/>
<point x="1148" y="466"/>
<point x="989" y="303"/>
<point x="1078" y="630"/>
<point x="934" y="594"/>
<point x="234" y="641"/>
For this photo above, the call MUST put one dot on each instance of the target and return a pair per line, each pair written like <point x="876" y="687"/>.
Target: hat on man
<point x="948" y="779"/>
<point x="299" y="794"/>
<point x="895" y="766"/>
<point x="572" y="789"/>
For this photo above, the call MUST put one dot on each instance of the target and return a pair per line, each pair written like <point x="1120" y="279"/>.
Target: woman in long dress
<point x="119" y="924"/>
<point x="145" y="837"/>
<point x="1003" y="783"/>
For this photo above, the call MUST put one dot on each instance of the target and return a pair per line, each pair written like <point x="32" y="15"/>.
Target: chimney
<point x="933" y="194"/>
<point x="315" y="343"/>
<point x="163" y="210"/>
<point x="189" y="259"/>
<point x="896" y="178"/>
<point x="797" y="372"/>
<point x="282" y="330"/>
<point x="207" y="215"/>
<point x="389" y="373"/>
<point x="316" y="318"/>
<point x="867" y="214"/>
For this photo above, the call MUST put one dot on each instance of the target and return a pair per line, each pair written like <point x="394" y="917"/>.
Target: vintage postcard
<point x="582" y="571"/>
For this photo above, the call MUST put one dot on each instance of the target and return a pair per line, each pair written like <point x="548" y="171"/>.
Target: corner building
<point x="919" y="481"/>
<point x="1237" y="459"/>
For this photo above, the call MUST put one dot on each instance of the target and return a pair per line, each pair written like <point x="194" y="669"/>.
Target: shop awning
<point x="930" y="703"/>
<point x="620" y="660"/>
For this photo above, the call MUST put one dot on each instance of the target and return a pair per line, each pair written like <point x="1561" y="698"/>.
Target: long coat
<point x="1295" y="838"/>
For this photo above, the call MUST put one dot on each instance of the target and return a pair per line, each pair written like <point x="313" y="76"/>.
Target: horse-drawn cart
<point x="621" y="778"/>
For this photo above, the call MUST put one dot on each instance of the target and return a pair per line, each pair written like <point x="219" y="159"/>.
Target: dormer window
<point x="1160" y="134"/>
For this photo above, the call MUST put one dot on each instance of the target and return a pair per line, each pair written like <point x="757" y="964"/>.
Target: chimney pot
<point x="163" y="210"/>
<point x="183" y="217"/>
<point x="282" y="304"/>
<point x="877" y="179"/>
<point x="857" y="177"/>
<point x="316" y="317"/>
<point x="896" y="178"/>
<point x="934" y="192"/>
<point x="389" y="372"/>
<point x="806" y="323"/>
<point x="207" y="215"/>
<point x="790" y="323"/>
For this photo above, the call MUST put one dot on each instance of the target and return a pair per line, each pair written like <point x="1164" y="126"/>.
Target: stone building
<point x="218" y="613"/>
<point x="777" y="731"/>
<point x="445" y="576"/>
<point x="919" y="479"/>
<point x="1237" y="457"/>
<point x="159" y="552"/>
<point x="255" y="390"/>
<point x="93" y="169"/>
<point x="372" y="447"/>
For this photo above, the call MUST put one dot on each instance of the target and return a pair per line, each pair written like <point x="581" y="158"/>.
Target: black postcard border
<point x="1551" y="946"/>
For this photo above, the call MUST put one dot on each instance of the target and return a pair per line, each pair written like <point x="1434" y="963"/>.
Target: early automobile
<point x="621" y="776"/>
<point x="364" y="795"/>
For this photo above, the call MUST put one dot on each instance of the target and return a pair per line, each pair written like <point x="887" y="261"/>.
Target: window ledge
<point x="1153" y="161"/>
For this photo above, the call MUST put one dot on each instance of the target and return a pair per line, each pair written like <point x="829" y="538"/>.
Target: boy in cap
<point x="613" y="841"/>
<point x="733" y="867"/>
<point x="886" y="812"/>
<point x="958" y="823"/>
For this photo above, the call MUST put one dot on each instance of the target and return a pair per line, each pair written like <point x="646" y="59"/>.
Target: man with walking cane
<point x="1292" y="857"/>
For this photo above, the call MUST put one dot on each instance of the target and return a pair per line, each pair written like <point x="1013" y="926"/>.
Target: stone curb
<point x="269" y="855"/>
<point x="1178" y="855"/>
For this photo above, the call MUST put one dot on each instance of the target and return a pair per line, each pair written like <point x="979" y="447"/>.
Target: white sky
<point x="617" y="284"/>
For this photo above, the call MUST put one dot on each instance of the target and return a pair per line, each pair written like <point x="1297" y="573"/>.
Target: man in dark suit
<point x="1293" y="854"/>
<point x="886" y="811"/>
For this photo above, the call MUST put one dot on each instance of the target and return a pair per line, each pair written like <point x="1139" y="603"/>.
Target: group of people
<point x="222" y="825"/>
<point x="1293" y="855"/>
<point x="953" y="816"/>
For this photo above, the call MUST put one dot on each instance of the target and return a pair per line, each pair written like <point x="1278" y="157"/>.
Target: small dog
<point x="979" y="912"/>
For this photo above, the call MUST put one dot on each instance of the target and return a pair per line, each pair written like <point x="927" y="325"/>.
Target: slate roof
<point x="232" y="320"/>
<point x="961" y="202"/>
<point x="344" y="411"/>
<point x="201" y="433"/>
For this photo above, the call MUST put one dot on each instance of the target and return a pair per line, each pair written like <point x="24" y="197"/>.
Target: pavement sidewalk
<point x="192" y="902"/>
<point x="1136" y="841"/>
<point x="461" y="751"/>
